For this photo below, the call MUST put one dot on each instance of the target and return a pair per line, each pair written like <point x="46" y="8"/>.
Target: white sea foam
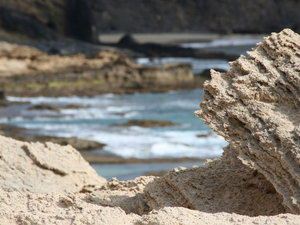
<point x="198" y="64"/>
<point x="65" y="100"/>
<point x="142" y="142"/>
<point x="180" y="144"/>
<point x="223" y="42"/>
<point x="96" y="123"/>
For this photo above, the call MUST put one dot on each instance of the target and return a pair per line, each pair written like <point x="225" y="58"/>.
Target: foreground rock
<point x="256" y="105"/>
<point x="221" y="186"/>
<point x="26" y="71"/>
<point x="44" y="168"/>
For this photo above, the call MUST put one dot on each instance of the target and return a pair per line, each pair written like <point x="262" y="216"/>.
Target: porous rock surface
<point x="256" y="107"/>
<point x="223" y="185"/>
<point x="44" y="168"/>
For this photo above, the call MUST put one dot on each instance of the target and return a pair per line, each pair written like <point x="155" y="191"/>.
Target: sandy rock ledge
<point x="44" y="168"/>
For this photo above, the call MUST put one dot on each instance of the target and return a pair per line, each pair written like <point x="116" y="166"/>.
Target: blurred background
<point x="95" y="74"/>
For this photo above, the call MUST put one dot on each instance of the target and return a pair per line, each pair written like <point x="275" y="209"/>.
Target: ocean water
<point x="224" y="42"/>
<point x="130" y="171"/>
<point x="234" y="46"/>
<point x="103" y="112"/>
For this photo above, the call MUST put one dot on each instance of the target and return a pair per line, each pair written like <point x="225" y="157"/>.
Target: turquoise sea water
<point x="130" y="171"/>
<point x="98" y="122"/>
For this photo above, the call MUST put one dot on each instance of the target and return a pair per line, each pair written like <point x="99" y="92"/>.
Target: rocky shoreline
<point x="254" y="106"/>
<point x="27" y="71"/>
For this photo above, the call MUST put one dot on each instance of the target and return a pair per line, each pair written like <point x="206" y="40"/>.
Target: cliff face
<point x="85" y="20"/>
<point x="257" y="16"/>
<point x="34" y="19"/>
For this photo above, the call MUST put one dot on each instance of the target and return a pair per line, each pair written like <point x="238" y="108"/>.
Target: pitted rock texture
<point x="255" y="106"/>
<point x="66" y="209"/>
<point x="223" y="185"/>
<point x="44" y="168"/>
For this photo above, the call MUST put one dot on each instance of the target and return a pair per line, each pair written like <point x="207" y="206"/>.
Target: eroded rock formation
<point x="256" y="107"/>
<point x="44" y="168"/>
<point x="223" y="185"/>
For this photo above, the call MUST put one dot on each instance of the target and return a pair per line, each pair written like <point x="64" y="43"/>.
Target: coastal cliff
<point x="255" y="106"/>
<point x="86" y="19"/>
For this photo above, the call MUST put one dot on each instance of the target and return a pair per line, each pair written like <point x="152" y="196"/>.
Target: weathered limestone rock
<point x="223" y="185"/>
<point x="255" y="106"/>
<point x="44" y="168"/>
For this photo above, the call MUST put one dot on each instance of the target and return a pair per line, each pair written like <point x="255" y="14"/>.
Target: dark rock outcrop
<point x="79" y="21"/>
<point x="148" y="123"/>
<point x="14" y="20"/>
<point x="160" y="50"/>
